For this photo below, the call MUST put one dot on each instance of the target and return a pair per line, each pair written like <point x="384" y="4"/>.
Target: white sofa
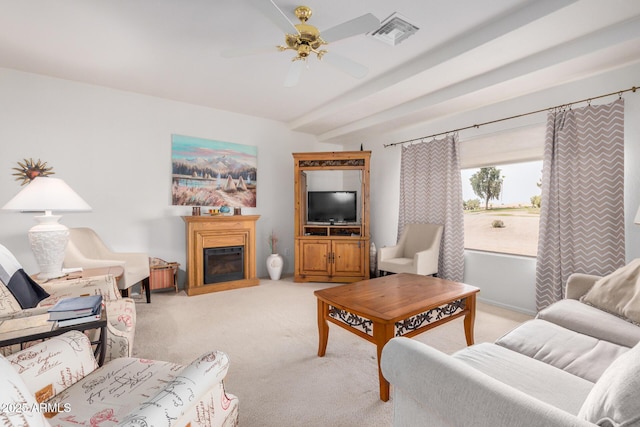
<point x="574" y="365"/>
<point x="57" y="383"/>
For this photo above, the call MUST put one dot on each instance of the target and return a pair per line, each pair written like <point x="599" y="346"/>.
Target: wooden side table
<point x="115" y="270"/>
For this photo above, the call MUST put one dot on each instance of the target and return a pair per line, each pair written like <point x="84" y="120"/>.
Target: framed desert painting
<point x="207" y="172"/>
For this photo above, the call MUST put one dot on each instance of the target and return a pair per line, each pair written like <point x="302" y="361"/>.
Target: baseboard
<point x="507" y="306"/>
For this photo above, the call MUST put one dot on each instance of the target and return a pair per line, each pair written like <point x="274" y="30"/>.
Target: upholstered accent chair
<point x="87" y="250"/>
<point x="21" y="296"/>
<point x="121" y="312"/>
<point x="57" y="383"/>
<point x="417" y="251"/>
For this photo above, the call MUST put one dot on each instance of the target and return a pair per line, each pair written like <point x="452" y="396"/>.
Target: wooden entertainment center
<point x="331" y="252"/>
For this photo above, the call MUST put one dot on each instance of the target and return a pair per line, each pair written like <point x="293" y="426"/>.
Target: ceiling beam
<point x="593" y="42"/>
<point x="469" y="40"/>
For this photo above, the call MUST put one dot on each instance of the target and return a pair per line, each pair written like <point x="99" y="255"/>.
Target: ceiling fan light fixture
<point x="303" y="13"/>
<point x="305" y="39"/>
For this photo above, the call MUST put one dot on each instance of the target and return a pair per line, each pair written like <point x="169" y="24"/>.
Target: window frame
<point x="507" y="147"/>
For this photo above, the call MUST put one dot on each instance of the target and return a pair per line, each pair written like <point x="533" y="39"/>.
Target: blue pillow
<point x="25" y="290"/>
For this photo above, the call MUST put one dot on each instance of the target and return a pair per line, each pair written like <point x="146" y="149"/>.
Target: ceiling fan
<point x="306" y="40"/>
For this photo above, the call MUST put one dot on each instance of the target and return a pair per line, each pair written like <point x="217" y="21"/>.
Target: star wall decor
<point x="30" y="169"/>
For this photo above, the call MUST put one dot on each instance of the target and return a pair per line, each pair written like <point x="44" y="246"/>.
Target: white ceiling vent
<point x="394" y="29"/>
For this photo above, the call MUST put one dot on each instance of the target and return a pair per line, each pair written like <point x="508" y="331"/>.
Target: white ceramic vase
<point x="274" y="266"/>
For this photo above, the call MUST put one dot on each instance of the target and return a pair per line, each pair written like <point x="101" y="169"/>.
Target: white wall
<point x="114" y="149"/>
<point x="507" y="280"/>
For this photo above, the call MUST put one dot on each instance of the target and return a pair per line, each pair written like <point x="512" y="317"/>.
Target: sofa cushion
<point x="19" y="408"/>
<point x="540" y="380"/>
<point x="618" y="293"/>
<point x="614" y="401"/>
<point x="578" y="354"/>
<point x="588" y="320"/>
<point x="27" y="292"/>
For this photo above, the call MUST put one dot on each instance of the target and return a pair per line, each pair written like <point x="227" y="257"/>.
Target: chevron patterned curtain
<point x="582" y="212"/>
<point x="431" y="192"/>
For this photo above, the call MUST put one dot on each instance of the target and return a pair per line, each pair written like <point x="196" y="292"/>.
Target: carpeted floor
<point x="270" y="334"/>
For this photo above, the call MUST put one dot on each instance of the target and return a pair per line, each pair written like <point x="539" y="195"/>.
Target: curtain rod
<point x="619" y="93"/>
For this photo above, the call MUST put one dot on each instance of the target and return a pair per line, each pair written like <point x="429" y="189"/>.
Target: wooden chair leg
<point x="147" y="288"/>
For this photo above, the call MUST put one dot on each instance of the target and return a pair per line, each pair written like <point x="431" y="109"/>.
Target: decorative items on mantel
<point x="222" y="210"/>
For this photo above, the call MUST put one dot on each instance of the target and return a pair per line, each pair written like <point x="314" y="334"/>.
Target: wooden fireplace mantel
<point x="219" y="231"/>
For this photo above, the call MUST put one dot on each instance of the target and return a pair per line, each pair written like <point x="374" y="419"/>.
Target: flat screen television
<point x="332" y="206"/>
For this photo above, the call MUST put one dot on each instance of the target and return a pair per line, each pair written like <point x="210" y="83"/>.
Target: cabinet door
<point x="314" y="257"/>
<point x="348" y="258"/>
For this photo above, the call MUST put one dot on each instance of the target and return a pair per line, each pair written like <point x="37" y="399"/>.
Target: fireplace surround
<point x="226" y="234"/>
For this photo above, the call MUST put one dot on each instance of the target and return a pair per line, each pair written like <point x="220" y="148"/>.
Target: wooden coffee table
<point x="392" y="306"/>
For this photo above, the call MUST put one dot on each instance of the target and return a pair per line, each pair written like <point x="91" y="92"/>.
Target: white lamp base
<point x="48" y="241"/>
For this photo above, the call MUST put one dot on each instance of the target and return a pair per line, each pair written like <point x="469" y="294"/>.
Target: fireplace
<point x="223" y="264"/>
<point x="229" y="268"/>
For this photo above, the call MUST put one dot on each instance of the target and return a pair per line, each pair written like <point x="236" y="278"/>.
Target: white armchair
<point x="121" y="312"/>
<point x="87" y="250"/>
<point x="417" y="251"/>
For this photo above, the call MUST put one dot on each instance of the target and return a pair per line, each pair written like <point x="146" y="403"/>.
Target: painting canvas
<point x="213" y="173"/>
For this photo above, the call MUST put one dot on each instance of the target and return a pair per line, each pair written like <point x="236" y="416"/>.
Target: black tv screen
<point x="332" y="206"/>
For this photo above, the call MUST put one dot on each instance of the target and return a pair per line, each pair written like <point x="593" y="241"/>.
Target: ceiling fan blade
<point x="294" y="73"/>
<point x="277" y="16"/>
<point x="345" y="65"/>
<point x="360" y="25"/>
<point x="234" y="53"/>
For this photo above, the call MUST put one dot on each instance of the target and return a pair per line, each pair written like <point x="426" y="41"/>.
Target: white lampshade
<point x="636" y="220"/>
<point x="45" y="193"/>
<point x="48" y="238"/>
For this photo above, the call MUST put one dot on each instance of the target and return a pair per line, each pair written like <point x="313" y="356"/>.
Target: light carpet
<point x="270" y="334"/>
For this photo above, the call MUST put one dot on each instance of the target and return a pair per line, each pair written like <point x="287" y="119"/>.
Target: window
<point x="510" y="224"/>
<point x="508" y="221"/>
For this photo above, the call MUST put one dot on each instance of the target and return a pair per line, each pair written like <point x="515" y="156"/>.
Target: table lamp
<point x="48" y="238"/>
